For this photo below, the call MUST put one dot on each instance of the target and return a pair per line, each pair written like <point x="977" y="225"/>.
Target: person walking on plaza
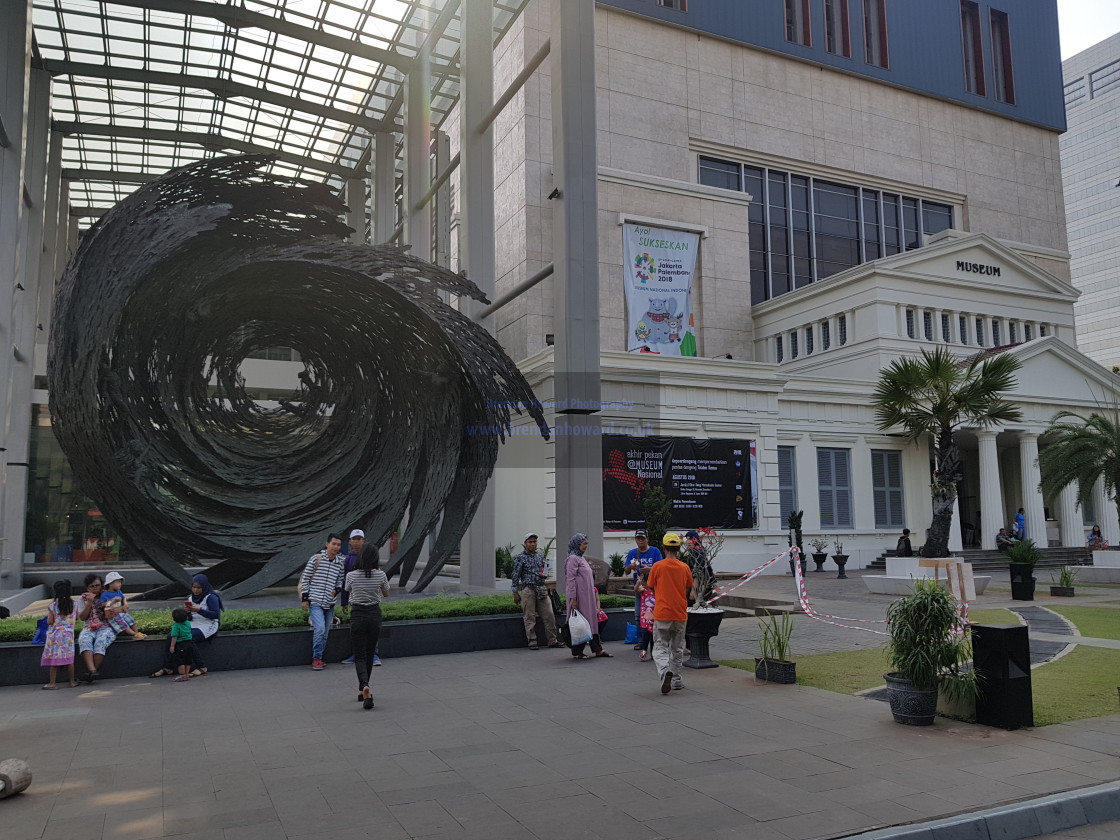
<point x="319" y="586"/>
<point x="530" y="591"/>
<point x="672" y="585"/>
<point x="582" y="595"/>
<point x="357" y="541"/>
<point x="639" y="558"/>
<point x="366" y="586"/>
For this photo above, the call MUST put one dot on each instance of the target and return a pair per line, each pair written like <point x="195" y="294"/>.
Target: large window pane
<point x="720" y="173"/>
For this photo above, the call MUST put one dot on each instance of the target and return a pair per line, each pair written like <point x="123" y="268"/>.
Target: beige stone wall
<point x="663" y="91"/>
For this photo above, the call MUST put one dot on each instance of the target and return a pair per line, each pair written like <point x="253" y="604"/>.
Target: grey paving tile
<point x="419" y="819"/>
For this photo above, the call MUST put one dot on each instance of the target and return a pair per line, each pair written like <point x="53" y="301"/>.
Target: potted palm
<point x="932" y="396"/>
<point x="1063" y="582"/>
<point x="839" y="558"/>
<point x="701" y="548"/>
<point x="1022" y="557"/>
<point x="819" y="545"/>
<point x="928" y="649"/>
<point x="774" y="664"/>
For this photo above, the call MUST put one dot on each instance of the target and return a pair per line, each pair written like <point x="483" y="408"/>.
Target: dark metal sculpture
<point x="401" y="405"/>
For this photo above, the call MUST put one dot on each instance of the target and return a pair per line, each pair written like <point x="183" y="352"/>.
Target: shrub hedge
<point x="158" y="622"/>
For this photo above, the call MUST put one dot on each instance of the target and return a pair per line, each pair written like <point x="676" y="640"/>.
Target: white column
<point x="356" y="208"/>
<point x="575" y="281"/>
<point x="1105" y="509"/>
<point x="476" y="240"/>
<point x="1073" y="532"/>
<point x="991" y="496"/>
<point x="418" y="158"/>
<point x="384" y="193"/>
<point x="442" y="255"/>
<point x="1033" y="508"/>
<point x="955" y="543"/>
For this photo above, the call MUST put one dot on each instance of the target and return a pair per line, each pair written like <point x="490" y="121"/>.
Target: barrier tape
<point x="803" y="599"/>
<point x="720" y="591"/>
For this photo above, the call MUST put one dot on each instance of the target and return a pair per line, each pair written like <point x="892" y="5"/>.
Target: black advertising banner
<point x="708" y="482"/>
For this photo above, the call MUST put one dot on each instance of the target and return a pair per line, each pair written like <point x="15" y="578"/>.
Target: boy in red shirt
<point x="672" y="585"/>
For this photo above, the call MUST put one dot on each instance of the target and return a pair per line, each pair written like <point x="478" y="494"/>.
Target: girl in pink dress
<point x="59" y="649"/>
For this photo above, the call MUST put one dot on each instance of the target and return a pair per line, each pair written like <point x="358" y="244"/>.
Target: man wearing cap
<point x="672" y="585"/>
<point x="641" y="557"/>
<point x="531" y="591"/>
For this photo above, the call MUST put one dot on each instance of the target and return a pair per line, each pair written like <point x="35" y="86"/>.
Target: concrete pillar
<point x="1069" y="515"/>
<point x="384" y="193"/>
<point x="356" y="204"/>
<point x="1033" y="505"/>
<point x="955" y="542"/>
<point x="418" y="157"/>
<point x="442" y="255"/>
<point x="575" y="282"/>
<point x="991" y="496"/>
<point x="476" y="238"/>
<point x="1105" y="509"/>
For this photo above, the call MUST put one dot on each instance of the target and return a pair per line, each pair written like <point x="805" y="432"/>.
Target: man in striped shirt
<point x="319" y="586"/>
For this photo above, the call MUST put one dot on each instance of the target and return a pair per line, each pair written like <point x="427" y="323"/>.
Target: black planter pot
<point x="1061" y="591"/>
<point x="841" y="561"/>
<point x="1022" y="581"/>
<point x="819" y="557"/>
<point x="701" y="627"/>
<point x="910" y="705"/>
<point x="775" y="671"/>
<point x="804" y="564"/>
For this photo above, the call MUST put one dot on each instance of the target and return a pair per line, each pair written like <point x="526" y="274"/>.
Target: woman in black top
<point x="367" y="585"/>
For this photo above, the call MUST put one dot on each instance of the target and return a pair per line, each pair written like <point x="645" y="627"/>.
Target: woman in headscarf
<point x="582" y="595"/>
<point x="205" y="608"/>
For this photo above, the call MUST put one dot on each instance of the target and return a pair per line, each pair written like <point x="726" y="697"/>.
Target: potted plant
<point x="1063" y="580"/>
<point x="840" y="558"/>
<point x="1022" y="557"/>
<point x="794" y="522"/>
<point x="703" y="618"/>
<point x="928" y="649"/>
<point x="503" y="561"/>
<point x="618" y="564"/>
<point x="774" y="664"/>
<point x="819" y="545"/>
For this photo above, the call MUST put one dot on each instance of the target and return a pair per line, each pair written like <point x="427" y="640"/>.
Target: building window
<point x="787" y="481"/>
<point x="779" y="352"/>
<point x="1002" y="75"/>
<point x="842" y="329"/>
<point x="1088" y="513"/>
<point x="927" y="324"/>
<point x="996" y="340"/>
<point x="980" y="332"/>
<point x="1013" y="332"/>
<point x="793" y="344"/>
<point x="1043" y="330"/>
<point x="910" y="323"/>
<point x="801" y="229"/>
<point x="972" y="46"/>
<point x="799" y="29"/>
<point x="275" y="354"/>
<point x="1028" y="332"/>
<point x="837" y="28"/>
<point x="946" y="336"/>
<point x="875" y="32"/>
<point x="963" y="324"/>
<point x="826" y="337"/>
<point x="886" y="485"/>
<point x="679" y="5"/>
<point x="834" y="478"/>
<point x="809" y="341"/>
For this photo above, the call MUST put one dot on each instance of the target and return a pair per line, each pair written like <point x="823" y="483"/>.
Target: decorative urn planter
<point x="775" y="671"/>
<point x="819" y="557"/>
<point x="702" y="625"/>
<point x="841" y="561"/>
<point x="911" y="705"/>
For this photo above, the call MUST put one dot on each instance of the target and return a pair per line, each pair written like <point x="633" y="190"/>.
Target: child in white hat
<point x="116" y="607"/>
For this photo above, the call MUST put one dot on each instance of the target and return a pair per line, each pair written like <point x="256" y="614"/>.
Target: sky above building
<point x="1086" y="22"/>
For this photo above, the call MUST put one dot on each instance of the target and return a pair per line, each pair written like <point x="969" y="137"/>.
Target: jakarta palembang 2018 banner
<point x="659" y="267"/>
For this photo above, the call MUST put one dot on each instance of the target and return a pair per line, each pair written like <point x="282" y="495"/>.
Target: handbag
<point x="579" y="628"/>
<point x="602" y="616"/>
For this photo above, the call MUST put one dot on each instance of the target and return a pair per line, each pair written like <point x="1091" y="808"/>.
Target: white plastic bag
<point x="579" y="628"/>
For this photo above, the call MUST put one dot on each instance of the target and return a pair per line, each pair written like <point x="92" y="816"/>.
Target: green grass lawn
<point x="1097" y="622"/>
<point x="993" y="617"/>
<point x="846" y="672"/>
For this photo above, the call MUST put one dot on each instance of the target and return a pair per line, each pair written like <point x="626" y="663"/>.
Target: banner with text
<point x="659" y="265"/>
<point x="709" y="483"/>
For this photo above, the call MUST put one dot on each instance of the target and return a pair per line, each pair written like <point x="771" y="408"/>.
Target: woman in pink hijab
<point x="582" y="595"/>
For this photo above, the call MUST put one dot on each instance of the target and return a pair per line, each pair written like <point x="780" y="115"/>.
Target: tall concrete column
<point x="1069" y="515"/>
<point x="1105" y="508"/>
<point x="955" y="541"/>
<point x="384" y="193"/>
<point x="1033" y="508"/>
<point x="418" y="157"/>
<point x="991" y="496"/>
<point x="575" y="281"/>
<point x="476" y="237"/>
<point x="356" y="208"/>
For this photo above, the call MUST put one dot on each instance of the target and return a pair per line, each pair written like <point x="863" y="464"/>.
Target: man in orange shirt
<point x="672" y="585"/>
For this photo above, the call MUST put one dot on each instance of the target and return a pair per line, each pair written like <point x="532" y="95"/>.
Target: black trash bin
<point x="1001" y="654"/>
<point x="1022" y="581"/>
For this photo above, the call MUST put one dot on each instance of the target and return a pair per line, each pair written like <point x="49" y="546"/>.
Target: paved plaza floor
<point x="520" y="744"/>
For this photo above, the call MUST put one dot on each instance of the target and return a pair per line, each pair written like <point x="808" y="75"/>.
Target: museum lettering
<point x="978" y="268"/>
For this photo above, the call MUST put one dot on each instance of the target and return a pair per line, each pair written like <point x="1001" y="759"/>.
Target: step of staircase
<point x="984" y="560"/>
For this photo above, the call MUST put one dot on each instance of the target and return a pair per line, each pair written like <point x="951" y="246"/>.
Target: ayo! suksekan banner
<point x="659" y="266"/>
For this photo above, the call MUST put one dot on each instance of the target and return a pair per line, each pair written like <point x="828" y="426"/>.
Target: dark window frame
<point x="798" y="23"/>
<point x="837" y="15"/>
<point x="1003" y="69"/>
<point x="876" y="49"/>
<point x="972" y="49"/>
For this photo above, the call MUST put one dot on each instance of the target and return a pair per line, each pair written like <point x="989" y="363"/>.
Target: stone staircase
<point x="984" y="561"/>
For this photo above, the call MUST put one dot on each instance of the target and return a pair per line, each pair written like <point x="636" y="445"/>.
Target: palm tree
<point x="935" y="395"/>
<point x="1082" y="450"/>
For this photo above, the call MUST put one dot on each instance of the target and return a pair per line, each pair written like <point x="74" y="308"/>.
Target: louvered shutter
<point x="787" y="487"/>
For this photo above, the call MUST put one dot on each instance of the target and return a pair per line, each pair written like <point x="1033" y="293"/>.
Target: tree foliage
<point x="1080" y="450"/>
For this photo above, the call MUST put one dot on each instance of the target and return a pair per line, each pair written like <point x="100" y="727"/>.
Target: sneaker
<point x="349" y="660"/>
<point x="181" y="678"/>
<point x="666" y="682"/>
<point x="678" y="683"/>
<point x="376" y="660"/>
<point x="317" y="665"/>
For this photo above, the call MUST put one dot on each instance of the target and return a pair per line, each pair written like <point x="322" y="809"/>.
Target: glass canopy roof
<point x="142" y="86"/>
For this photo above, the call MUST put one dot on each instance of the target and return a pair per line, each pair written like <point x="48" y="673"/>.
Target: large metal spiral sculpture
<point x="401" y="403"/>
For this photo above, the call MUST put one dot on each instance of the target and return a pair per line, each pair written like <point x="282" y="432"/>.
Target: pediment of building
<point x="1055" y="373"/>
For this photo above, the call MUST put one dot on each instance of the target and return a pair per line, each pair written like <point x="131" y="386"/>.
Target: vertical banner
<point x="659" y="266"/>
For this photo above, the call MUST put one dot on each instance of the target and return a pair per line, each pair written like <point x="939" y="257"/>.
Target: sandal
<point x="603" y="653"/>
<point x="198" y="672"/>
<point x="580" y="656"/>
<point x="643" y="657"/>
<point x="162" y="672"/>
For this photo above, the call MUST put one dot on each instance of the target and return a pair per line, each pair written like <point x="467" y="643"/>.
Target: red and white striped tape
<point x="803" y="599"/>
<point x="720" y="591"/>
